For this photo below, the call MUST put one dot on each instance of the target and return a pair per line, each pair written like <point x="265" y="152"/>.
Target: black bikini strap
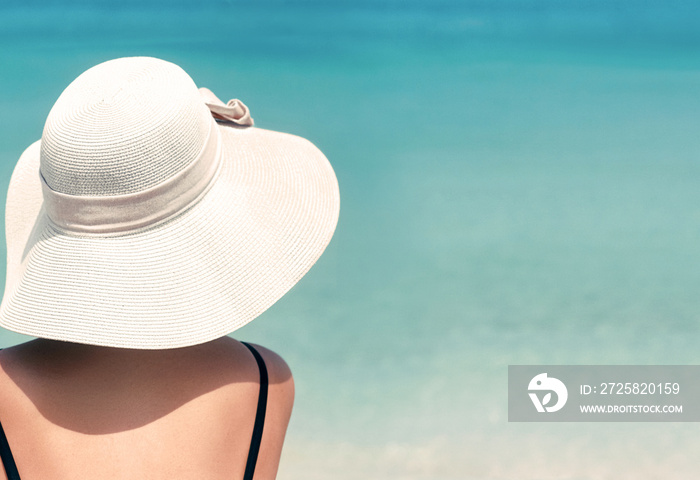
<point x="8" y="460"/>
<point x="259" y="416"/>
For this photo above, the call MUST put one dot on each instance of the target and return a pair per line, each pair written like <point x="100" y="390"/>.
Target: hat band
<point x="123" y="213"/>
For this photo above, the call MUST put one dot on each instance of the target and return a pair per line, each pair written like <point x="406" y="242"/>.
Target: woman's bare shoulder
<point x="278" y="409"/>
<point x="277" y="369"/>
<point x="280" y="382"/>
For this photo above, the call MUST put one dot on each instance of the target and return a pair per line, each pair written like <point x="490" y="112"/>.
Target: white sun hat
<point x="140" y="221"/>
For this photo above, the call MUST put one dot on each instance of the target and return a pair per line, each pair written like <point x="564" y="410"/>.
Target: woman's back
<point x="78" y="411"/>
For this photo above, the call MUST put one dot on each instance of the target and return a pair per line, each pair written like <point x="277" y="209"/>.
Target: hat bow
<point x="234" y="111"/>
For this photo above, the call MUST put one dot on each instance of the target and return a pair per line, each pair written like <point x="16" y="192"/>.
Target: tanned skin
<point x="78" y="411"/>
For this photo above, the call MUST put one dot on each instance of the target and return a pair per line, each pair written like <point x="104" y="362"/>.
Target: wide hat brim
<point x="200" y="275"/>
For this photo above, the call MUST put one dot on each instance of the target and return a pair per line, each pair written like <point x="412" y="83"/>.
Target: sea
<point x="520" y="184"/>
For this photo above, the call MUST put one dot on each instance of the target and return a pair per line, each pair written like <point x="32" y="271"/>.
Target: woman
<point x="149" y="222"/>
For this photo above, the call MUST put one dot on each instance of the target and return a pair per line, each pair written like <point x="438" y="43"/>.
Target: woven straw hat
<point x="140" y="221"/>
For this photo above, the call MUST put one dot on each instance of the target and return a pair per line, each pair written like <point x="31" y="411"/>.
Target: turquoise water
<point x="519" y="185"/>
